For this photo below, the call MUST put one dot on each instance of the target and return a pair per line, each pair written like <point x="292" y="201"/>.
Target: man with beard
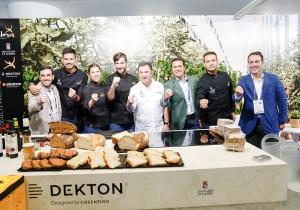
<point x="44" y="107"/>
<point x="119" y="84"/>
<point x="70" y="82"/>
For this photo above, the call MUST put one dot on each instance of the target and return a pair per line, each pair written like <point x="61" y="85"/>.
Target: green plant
<point x="295" y="114"/>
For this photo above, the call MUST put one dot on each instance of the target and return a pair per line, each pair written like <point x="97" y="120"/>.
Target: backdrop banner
<point x="11" y="92"/>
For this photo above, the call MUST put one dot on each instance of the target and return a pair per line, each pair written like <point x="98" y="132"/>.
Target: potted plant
<point x="295" y="119"/>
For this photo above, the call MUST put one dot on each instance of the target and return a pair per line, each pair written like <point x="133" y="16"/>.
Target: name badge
<point x="258" y="106"/>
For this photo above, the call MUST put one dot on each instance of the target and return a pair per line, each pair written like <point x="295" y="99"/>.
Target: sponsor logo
<point x="11" y="84"/>
<point x="11" y="74"/>
<point x="7" y="45"/>
<point x="212" y="91"/>
<point x="205" y="189"/>
<point x="68" y="194"/>
<point x="77" y="189"/>
<point x="7" y="33"/>
<point x="34" y="191"/>
<point x="8" y="50"/>
<point x="86" y="189"/>
<point x="10" y="64"/>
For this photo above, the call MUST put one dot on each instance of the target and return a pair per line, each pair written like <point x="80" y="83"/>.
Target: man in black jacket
<point x="214" y="93"/>
<point x="119" y="84"/>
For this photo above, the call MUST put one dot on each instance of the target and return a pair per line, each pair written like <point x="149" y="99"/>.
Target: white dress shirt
<point x="187" y="95"/>
<point x="146" y="108"/>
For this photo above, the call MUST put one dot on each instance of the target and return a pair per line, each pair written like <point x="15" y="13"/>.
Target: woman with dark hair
<point x="95" y="102"/>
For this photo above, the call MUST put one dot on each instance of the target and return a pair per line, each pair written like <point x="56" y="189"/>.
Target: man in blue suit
<point x="265" y="101"/>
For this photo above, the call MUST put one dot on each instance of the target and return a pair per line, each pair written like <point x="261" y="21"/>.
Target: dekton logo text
<point x="86" y="189"/>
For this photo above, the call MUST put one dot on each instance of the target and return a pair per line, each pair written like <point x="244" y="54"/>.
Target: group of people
<point x="126" y="102"/>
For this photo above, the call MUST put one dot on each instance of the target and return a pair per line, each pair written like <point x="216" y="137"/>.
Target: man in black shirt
<point x="119" y="84"/>
<point x="70" y="82"/>
<point x="214" y="93"/>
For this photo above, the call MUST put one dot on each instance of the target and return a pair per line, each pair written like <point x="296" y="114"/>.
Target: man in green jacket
<point x="179" y="98"/>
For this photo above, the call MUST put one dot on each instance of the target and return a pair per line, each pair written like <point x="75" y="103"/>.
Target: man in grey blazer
<point x="179" y="97"/>
<point x="45" y="107"/>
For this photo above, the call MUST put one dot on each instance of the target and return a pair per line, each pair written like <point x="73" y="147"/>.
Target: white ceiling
<point x="83" y="8"/>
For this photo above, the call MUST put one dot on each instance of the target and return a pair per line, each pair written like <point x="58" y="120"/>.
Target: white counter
<point x="210" y="176"/>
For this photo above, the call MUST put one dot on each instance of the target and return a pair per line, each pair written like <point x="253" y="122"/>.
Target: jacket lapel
<point x="251" y="87"/>
<point x="266" y="85"/>
<point x="177" y="86"/>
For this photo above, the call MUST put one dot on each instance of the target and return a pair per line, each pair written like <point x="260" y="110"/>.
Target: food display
<point x="73" y="151"/>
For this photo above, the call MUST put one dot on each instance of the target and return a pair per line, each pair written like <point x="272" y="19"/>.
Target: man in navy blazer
<point x="265" y="101"/>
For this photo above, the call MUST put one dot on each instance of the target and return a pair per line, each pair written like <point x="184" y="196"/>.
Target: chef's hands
<point x="203" y="103"/>
<point x="239" y="91"/>
<point x="115" y="82"/>
<point x="131" y="99"/>
<point x="168" y="94"/>
<point x="72" y="94"/>
<point x="42" y="99"/>
<point x="34" y="89"/>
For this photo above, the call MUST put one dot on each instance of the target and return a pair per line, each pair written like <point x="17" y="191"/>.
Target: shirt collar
<point x="185" y="78"/>
<point x="261" y="76"/>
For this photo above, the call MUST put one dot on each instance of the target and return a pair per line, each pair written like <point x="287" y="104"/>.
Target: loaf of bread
<point x="78" y="160"/>
<point x="150" y="151"/>
<point x="111" y="158"/>
<point x="62" y="127"/>
<point x="64" y="141"/>
<point x="131" y="141"/>
<point x="135" y="158"/>
<point x="155" y="160"/>
<point x="235" y="142"/>
<point x="37" y="164"/>
<point x="27" y="165"/>
<point x="116" y="137"/>
<point x="96" y="160"/>
<point x="90" y="142"/>
<point x="45" y="164"/>
<point x="231" y="128"/>
<point x="171" y="156"/>
<point x="57" y="162"/>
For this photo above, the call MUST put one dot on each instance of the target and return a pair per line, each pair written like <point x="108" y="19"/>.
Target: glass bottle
<point x="26" y="134"/>
<point x="17" y="131"/>
<point x="13" y="151"/>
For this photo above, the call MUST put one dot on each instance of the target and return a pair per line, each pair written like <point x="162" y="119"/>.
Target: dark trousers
<point x="191" y="122"/>
<point x="256" y="135"/>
